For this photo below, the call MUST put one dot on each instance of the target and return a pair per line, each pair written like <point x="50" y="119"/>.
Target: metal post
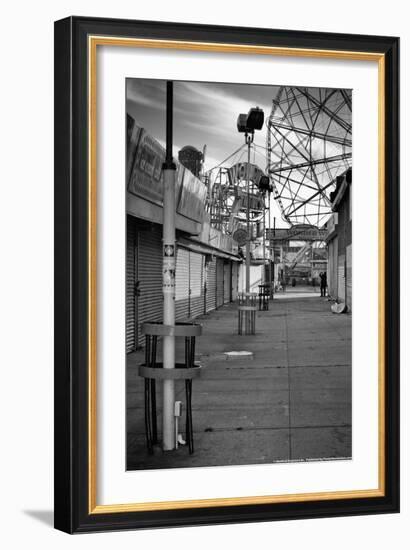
<point x="168" y="280"/>
<point x="311" y="261"/>
<point x="248" y="233"/>
<point x="220" y="202"/>
<point x="263" y="240"/>
<point x="273" y="247"/>
<point x="270" y="249"/>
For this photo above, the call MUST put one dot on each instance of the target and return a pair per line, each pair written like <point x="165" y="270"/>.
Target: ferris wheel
<point x="309" y="143"/>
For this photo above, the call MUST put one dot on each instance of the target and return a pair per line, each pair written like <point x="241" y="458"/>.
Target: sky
<point x="204" y="114"/>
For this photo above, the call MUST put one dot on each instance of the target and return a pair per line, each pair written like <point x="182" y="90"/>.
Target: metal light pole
<point x="270" y="250"/>
<point x="168" y="280"/>
<point x="247" y="124"/>
<point x="249" y="139"/>
<point x="263" y="240"/>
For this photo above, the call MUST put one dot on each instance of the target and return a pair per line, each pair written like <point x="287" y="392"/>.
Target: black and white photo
<point x="239" y="235"/>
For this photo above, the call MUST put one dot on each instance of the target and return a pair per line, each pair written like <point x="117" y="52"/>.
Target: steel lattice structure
<point x="309" y="143"/>
<point x="227" y="198"/>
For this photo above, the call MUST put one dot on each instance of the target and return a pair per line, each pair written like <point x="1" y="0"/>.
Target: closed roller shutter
<point x="150" y="301"/>
<point x="341" y="291"/>
<point x="130" y="337"/>
<point x="349" y="276"/>
<point x="211" y="285"/>
<point x="332" y="264"/>
<point x="335" y="267"/>
<point x="227" y="282"/>
<point x="182" y="284"/>
<point x="196" y="297"/>
<point x="329" y="267"/>
<point x="234" y="281"/>
<point x="219" y="282"/>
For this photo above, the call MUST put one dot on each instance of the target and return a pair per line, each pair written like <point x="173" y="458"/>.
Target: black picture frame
<point x="72" y="510"/>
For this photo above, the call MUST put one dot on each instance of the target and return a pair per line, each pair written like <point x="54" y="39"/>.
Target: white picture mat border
<point x="114" y="484"/>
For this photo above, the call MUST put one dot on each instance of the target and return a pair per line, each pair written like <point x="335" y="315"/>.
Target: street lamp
<point x="247" y="124"/>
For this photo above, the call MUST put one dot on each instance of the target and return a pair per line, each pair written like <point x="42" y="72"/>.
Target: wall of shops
<point x="203" y="281"/>
<point x="340" y="253"/>
<point x="332" y="268"/>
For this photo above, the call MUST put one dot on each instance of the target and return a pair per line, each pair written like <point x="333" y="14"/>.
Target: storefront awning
<point x="202" y="248"/>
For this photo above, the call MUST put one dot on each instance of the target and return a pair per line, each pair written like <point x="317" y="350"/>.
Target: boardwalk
<point x="291" y="402"/>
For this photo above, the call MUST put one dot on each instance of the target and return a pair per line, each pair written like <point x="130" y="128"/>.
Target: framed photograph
<point x="226" y="274"/>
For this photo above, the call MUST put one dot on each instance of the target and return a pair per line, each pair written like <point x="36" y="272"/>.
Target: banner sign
<point x="205" y="228"/>
<point x="146" y="179"/>
<point x="191" y="202"/>
<point x="300" y="232"/>
<point x="133" y="136"/>
<point x="331" y="224"/>
<point x="214" y="237"/>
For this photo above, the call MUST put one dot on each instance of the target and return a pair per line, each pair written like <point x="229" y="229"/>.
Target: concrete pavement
<point x="291" y="402"/>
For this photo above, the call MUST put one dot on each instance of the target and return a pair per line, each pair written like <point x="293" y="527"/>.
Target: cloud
<point x="146" y="93"/>
<point x="204" y="113"/>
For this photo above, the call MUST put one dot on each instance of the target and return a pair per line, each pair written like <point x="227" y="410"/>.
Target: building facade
<point x="207" y="260"/>
<point x="339" y="241"/>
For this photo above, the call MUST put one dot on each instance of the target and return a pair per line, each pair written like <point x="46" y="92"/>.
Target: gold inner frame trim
<point x="93" y="42"/>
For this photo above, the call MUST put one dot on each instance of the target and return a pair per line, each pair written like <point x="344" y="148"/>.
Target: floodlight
<point x="241" y="124"/>
<point x="247" y="124"/>
<point x="255" y="119"/>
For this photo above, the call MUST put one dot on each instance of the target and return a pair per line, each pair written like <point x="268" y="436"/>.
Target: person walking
<point x="323" y="283"/>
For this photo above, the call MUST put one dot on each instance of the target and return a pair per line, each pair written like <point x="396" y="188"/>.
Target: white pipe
<point x="176" y="432"/>
<point x="168" y="288"/>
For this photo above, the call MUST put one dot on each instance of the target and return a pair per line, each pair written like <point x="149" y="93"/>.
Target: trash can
<point x="247" y="312"/>
<point x="264" y="295"/>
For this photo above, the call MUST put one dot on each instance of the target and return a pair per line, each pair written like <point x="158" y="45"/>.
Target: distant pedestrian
<point x="323" y="283"/>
